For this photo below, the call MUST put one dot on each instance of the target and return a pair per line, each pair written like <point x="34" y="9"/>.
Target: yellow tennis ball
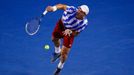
<point x="46" y="47"/>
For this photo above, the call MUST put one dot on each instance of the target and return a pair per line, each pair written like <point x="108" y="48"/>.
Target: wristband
<point x="54" y="8"/>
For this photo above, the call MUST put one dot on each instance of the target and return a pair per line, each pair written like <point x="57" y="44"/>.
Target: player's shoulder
<point x="71" y="7"/>
<point x="85" y="20"/>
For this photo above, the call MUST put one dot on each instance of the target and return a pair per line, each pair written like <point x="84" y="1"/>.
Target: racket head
<point x="32" y="26"/>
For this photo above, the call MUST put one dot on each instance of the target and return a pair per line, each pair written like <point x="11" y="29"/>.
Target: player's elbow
<point x="61" y="6"/>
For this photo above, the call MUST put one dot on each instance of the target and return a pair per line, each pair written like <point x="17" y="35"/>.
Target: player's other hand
<point x="67" y="32"/>
<point x="49" y="8"/>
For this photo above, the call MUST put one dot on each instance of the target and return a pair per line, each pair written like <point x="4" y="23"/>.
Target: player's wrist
<point x="54" y="8"/>
<point x="69" y="30"/>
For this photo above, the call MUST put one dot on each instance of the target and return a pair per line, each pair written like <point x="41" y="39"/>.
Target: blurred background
<point x="105" y="47"/>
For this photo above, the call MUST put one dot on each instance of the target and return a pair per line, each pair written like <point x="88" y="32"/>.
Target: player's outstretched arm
<point x="54" y="8"/>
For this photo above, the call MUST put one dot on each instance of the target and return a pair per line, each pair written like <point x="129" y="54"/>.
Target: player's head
<point x="82" y="11"/>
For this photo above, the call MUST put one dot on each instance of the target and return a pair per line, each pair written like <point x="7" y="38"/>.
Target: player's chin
<point x="77" y="16"/>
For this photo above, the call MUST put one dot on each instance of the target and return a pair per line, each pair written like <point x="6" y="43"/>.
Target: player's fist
<point x="67" y="32"/>
<point x="49" y="8"/>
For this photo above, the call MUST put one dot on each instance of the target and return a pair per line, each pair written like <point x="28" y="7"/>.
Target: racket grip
<point x="44" y="13"/>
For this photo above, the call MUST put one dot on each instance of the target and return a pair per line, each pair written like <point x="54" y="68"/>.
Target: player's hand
<point x="75" y="33"/>
<point x="67" y="32"/>
<point x="49" y="8"/>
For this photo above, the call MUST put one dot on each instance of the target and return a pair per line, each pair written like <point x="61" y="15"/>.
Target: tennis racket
<point x="32" y="26"/>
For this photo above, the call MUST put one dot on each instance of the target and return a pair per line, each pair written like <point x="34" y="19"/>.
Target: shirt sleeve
<point x="71" y="9"/>
<point x="83" y="27"/>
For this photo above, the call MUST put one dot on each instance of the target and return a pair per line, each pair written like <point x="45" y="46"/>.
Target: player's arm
<point x="69" y="32"/>
<point x="75" y="33"/>
<point x="58" y="6"/>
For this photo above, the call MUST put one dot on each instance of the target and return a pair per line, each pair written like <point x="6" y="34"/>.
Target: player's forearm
<point x="61" y="6"/>
<point x="54" y="8"/>
<point x="75" y="33"/>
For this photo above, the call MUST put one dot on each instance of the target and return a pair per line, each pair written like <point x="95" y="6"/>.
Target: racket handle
<point x="44" y="13"/>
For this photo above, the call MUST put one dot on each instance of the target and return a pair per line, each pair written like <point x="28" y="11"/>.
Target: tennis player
<point x="72" y="22"/>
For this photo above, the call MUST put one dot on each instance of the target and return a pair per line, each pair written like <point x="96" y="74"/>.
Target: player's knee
<point x="64" y="55"/>
<point x="53" y="39"/>
<point x="64" y="52"/>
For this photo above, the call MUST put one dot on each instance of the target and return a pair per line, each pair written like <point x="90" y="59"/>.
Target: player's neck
<point x="79" y="18"/>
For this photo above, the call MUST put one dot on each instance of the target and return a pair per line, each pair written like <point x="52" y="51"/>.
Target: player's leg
<point x="56" y="35"/>
<point x="56" y="42"/>
<point x="57" y="51"/>
<point x="64" y="54"/>
<point x="63" y="58"/>
<point x="67" y="43"/>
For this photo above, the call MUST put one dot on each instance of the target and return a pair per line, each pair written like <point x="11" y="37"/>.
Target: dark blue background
<point x="105" y="47"/>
